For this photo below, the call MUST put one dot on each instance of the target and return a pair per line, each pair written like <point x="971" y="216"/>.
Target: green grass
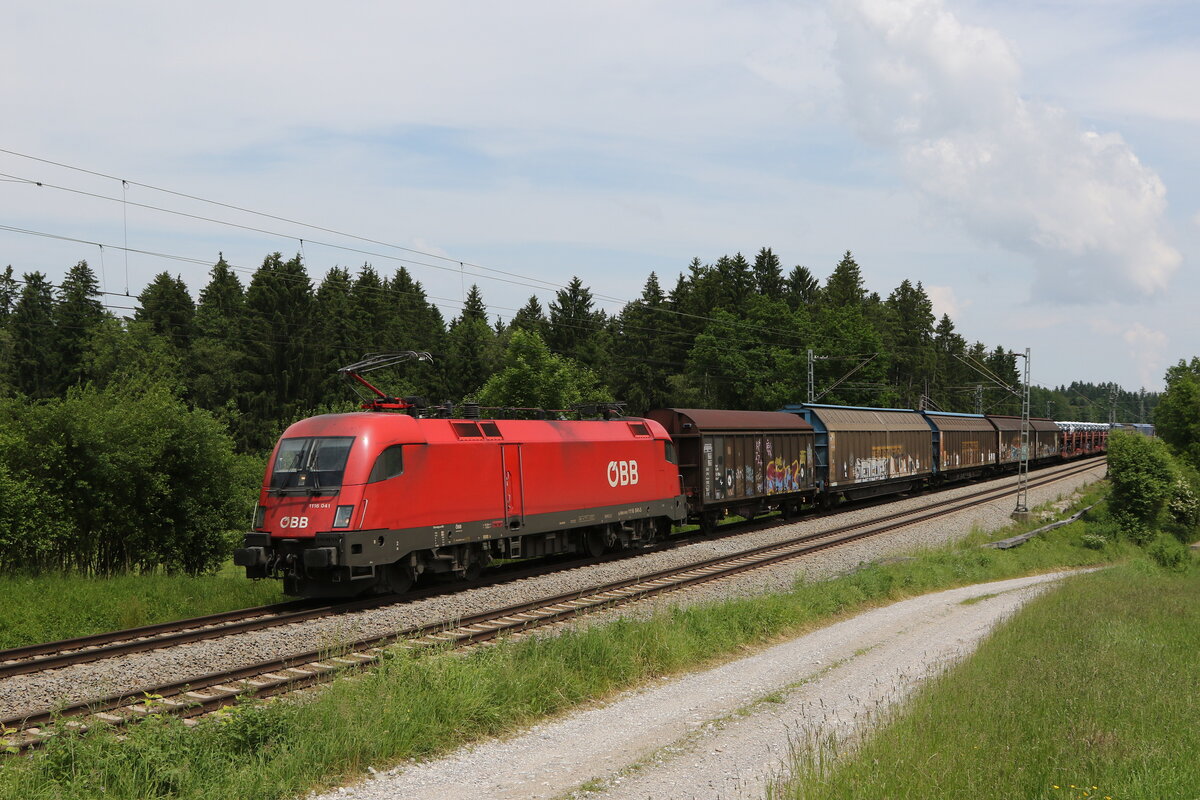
<point x="1091" y="691"/>
<point x="418" y="706"/>
<point x="52" y="607"/>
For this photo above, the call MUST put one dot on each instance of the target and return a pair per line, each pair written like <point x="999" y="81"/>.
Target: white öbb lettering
<point x="622" y="473"/>
<point x="293" y="522"/>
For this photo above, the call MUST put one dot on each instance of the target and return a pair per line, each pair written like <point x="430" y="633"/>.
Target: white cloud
<point x="945" y="301"/>
<point x="947" y="97"/>
<point x="1145" y="346"/>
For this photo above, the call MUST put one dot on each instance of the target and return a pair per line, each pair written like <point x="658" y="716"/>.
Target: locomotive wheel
<point x="596" y="543"/>
<point x="473" y="570"/>
<point x="476" y="559"/>
<point x="397" y="578"/>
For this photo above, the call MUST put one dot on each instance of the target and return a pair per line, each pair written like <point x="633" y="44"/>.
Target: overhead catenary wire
<point x="801" y="342"/>
<point x="461" y="264"/>
<point x="524" y="280"/>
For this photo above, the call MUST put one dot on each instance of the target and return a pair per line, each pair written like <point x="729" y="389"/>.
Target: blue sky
<point x="1033" y="164"/>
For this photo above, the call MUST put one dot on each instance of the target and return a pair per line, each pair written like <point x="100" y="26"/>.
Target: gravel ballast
<point x="31" y="693"/>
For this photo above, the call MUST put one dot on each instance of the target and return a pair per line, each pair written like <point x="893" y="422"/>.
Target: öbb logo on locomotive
<point x="293" y="522"/>
<point x="622" y="473"/>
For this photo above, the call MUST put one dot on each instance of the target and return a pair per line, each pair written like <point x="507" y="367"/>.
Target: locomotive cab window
<point x="310" y="464"/>
<point x="389" y="464"/>
<point x="670" y="453"/>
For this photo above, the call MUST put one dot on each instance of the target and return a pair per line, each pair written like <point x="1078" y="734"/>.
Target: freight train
<point x="370" y="501"/>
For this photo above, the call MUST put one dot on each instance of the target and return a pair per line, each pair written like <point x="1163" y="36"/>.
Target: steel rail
<point x="96" y="647"/>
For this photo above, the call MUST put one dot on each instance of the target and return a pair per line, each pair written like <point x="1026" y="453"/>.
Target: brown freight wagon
<point x="1049" y="439"/>
<point x="964" y="445"/>
<point x="740" y="462"/>
<point x="864" y="452"/>
<point x="1045" y="438"/>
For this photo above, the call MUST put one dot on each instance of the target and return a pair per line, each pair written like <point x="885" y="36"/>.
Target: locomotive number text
<point x="622" y="473"/>
<point x="293" y="522"/>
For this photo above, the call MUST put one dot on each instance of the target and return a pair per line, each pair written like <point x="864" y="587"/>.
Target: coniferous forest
<point x="133" y="442"/>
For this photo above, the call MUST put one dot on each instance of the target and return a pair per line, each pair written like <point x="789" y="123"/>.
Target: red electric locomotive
<point x="369" y="501"/>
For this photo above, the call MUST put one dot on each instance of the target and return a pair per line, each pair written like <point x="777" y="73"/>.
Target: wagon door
<point x="514" y="488"/>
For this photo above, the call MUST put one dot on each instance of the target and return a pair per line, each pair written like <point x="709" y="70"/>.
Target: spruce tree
<point x="470" y="348"/>
<point x="641" y="356"/>
<point x="417" y="324"/>
<point x="802" y="288"/>
<point x="735" y="284"/>
<point x="950" y="374"/>
<point x="373" y="312"/>
<point x="77" y="314"/>
<point x="768" y="274"/>
<point x="213" y="381"/>
<point x="530" y="318"/>
<point x="278" y="382"/>
<point x="10" y="290"/>
<point x="167" y="306"/>
<point x="35" y="353"/>
<point x="338" y="341"/>
<point x="573" y="329"/>
<point x="908" y="329"/>
<point x="844" y="288"/>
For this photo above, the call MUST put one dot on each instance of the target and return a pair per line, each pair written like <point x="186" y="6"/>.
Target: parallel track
<point x="204" y="694"/>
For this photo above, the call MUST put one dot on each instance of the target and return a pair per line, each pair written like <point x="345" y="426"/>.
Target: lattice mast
<point x="1023" y="463"/>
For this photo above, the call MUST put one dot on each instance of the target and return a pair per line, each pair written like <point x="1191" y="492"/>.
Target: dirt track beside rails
<point x="723" y="733"/>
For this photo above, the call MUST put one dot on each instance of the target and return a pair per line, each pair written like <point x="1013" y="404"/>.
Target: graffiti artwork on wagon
<point x="784" y="477"/>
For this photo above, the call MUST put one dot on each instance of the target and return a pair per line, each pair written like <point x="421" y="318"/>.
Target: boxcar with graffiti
<point x="862" y="452"/>
<point x="741" y="462"/>
<point x="964" y="445"/>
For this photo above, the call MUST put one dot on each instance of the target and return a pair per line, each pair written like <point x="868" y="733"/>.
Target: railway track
<point x="96" y="647"/>
<point x="204" y="694"/>
<point x="86" y="649"/>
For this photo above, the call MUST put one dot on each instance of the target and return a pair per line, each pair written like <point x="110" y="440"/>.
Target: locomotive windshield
<point x="310" y="465"/>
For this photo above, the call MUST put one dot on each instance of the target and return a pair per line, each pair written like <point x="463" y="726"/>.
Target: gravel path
<point x="724" y="732"/>
<point x="128" y="674"/>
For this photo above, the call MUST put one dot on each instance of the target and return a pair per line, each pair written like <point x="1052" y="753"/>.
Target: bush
<point x="112" y="480"/>
<point x="1144" y="477"/>
<point x="1169" y="553"/>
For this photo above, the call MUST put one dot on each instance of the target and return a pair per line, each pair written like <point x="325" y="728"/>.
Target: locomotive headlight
<point x="342" y="518"/>
<point x="260" y="515"/>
